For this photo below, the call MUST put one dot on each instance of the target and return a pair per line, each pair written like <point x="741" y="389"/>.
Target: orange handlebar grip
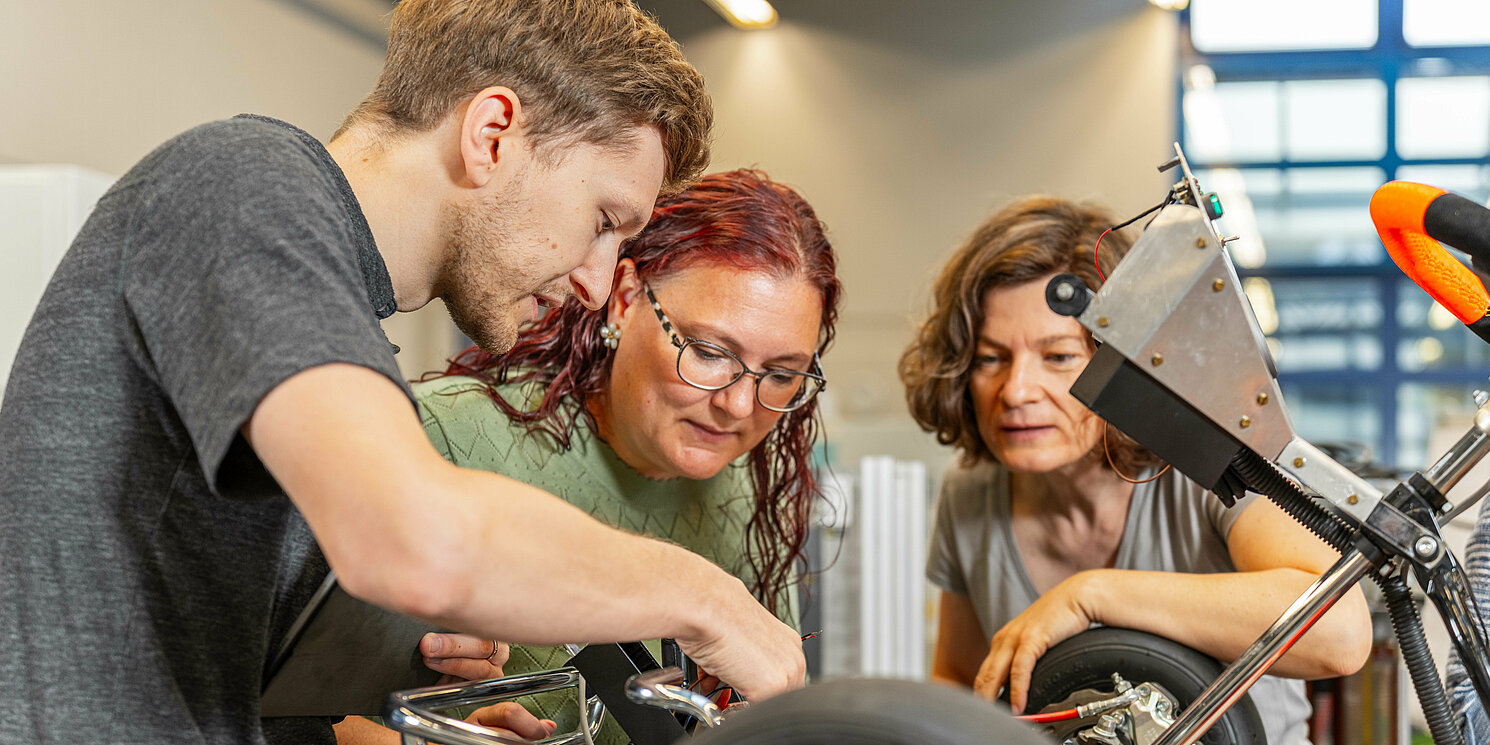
<point x="1397" y="209"/>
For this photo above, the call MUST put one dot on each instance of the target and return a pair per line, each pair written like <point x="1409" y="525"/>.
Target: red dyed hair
<point x="740" y="219"/>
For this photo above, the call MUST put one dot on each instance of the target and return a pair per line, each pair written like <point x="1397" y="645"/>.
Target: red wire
<point x="1054" y="716"/>
<point x="1094" y="253"/>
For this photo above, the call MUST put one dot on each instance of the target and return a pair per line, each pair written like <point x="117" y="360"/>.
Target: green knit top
<point x="706" y="516"/>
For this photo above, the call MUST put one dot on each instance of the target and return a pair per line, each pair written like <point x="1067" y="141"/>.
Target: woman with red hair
<point x="685" y="410"/>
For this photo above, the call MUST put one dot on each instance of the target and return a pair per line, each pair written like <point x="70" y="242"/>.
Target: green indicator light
<point x="1213" y="206"/>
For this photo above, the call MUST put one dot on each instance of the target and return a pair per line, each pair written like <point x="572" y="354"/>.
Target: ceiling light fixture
<point x="747" y="14"/>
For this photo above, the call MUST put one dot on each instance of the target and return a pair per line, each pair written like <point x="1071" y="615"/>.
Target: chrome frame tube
<point x="1253" y="663"/>
<point x="1465" y="453"/>
<point x="411" y="712"/>
<point x="1460" y="508"/>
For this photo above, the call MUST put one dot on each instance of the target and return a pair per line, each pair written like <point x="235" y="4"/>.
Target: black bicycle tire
<point x="872" y="712"/>
<point x="1089" y="659"/>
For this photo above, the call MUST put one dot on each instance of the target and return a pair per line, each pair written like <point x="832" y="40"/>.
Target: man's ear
<point x="490" y="133"/>
<point x="626" y="292"/>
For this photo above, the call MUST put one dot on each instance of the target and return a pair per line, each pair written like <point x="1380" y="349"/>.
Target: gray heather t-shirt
<point x="148" y="561"/>
<point x="1173" y="526"/>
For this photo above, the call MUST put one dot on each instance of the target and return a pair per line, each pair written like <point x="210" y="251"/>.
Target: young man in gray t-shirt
<point x="204" y="415"/>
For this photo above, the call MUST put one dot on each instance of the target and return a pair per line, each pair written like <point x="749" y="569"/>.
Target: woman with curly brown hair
<point x="1052" y="520"/>
<point x="685" y="410"/>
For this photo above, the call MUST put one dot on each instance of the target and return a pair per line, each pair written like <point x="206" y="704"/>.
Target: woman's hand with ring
<point x="464" y="657"/>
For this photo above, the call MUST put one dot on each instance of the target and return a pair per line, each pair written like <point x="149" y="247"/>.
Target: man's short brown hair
<point x="1027" y="240"/>
<point x="586" y="70"/>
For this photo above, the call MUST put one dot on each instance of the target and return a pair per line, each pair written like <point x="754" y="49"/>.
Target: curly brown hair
<point x="1027" y="240"/>
<point x="587" y="70"/>
<point x="740" y="219"/>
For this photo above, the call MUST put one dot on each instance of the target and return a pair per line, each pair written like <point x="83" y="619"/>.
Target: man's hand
<point x="1055" y="617"/>
<point x="464" y="657"/>
<point x="769" y="664"/>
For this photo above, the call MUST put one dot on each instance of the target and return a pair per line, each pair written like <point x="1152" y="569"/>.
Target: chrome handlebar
<point x="413" y="712"/>
<point x="659" y="689"/>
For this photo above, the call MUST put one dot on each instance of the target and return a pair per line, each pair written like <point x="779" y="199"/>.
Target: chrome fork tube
<point x="1253" y="663"/>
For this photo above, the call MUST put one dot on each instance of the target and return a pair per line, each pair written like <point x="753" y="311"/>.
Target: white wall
<point x="905" y="124"/>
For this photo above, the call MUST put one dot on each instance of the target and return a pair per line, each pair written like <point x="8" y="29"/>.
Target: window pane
<point x="1431" y="338"/>
<point x="1233" y="26"/>
<point x="1443" y="117"/>
<point x="1436" y="23"/>
<point x="1430" y="419"/>
<point x="1335" y="413"/>
<point x="1472" y="182"/>
<point x="1233" y="122"/>
<point x="1335" y="119"/>
<point x="1323" y="324"/>
<point x="1302" y="216"/>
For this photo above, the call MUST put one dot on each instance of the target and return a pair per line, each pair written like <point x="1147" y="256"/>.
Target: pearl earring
<point x="610" y="335"/>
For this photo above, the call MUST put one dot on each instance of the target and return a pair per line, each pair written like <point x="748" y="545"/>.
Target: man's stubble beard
<point x="479" y="292"/>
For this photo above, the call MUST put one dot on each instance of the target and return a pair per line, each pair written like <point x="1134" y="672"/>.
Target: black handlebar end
<point x="1460" y="223"/>
<point x="1067" y="295"/>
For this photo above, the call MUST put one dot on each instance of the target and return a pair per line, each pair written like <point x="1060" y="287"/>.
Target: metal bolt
<point x="1200" y="243"/>
<point x="1246" y="422"/>
<point x="1107" y="725"/>
<point x="1262" y="399"/>
<point x="1102" y="322"/>
<point x="1298" y="462"/>
<point x="1480" y="397"/>
<point x="1064" y="292"/>
<point x="1353" y="499"/>
<point x="1425" y="546"/>
<point x="1157" y="360"/>
<point x="1218" y="285"/>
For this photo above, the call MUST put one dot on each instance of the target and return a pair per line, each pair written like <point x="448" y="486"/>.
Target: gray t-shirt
<point x="1173" y="526"/>
<point x="148" y="561"/>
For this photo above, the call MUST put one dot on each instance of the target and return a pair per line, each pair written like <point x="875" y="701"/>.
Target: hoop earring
<point x="610" y="335"/>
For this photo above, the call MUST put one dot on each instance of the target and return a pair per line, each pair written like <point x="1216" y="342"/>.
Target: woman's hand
<point x="513" y="720"/>
<point x="462" y="657"/>
<point x="1056" y="616"/>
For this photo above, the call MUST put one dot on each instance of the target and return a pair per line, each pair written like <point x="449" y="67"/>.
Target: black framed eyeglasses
<point x="710" y="367"/>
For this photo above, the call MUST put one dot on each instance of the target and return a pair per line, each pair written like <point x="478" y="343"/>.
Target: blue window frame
<point x="1295" y="140"/>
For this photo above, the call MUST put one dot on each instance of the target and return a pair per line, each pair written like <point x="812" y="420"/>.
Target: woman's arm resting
<point x="960" y="644"/>
<point x="1219" y="614"/>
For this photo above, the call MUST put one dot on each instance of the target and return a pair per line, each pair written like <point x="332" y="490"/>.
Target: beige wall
<point x="906" y="127"/>
<point x="903" y="122"/>
<point x="100" y="84"/>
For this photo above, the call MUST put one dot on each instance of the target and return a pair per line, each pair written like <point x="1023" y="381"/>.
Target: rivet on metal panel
<point x="1262" y="399"/>
<point x="1353" y="499"/>
<point x="1298" y="462"/>
<point x="1246" y="422"/>
<point x="1102" y="322"/>
<point x="1157" y="360"/>
<point x="1200" y="243"/>
<point x="1218" y="285"/>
